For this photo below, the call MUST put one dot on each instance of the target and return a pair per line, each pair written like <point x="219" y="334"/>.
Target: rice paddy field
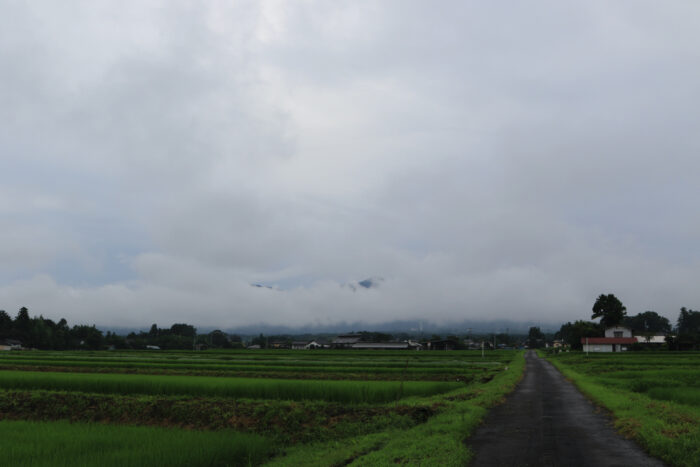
<point x="654" y="397"/>
<point x="277" y="407"/>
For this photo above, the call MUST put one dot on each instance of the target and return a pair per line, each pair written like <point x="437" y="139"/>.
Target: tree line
<point x="42" y="333"/>
<point x="45" y="334"/>
<point x="685" y="335"/>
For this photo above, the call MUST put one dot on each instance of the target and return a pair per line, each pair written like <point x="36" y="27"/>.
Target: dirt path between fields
<point x="546" y="421"/>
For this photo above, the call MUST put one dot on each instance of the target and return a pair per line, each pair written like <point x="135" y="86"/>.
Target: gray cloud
<point x="487" y="161"/>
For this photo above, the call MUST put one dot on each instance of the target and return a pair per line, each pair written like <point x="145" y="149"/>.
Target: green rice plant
<point x="332" y="391"/>
<point x="682" y="395"/>
<point x="284" y="422"/>
<point x="359" y="362"/>
<point x="439" y="441"/>
<point x="356" y="368"/>
<point x="51" y="444"/>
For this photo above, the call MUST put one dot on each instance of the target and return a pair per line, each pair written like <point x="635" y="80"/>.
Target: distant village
<point x="356" y="342"/>
<point x="615" y="332"/>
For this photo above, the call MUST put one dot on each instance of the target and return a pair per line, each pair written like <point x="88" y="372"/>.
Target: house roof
<point x="10" y="342"/>
<point x="609" y="340"/>
<point x="380" y="345"/>
<point x="346" y="340"/>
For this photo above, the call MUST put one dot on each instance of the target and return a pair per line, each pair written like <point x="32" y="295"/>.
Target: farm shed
<point x="345" y="341"/>
<point x="306" y="345"/>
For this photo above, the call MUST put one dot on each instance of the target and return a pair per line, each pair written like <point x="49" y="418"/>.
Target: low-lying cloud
<point x="485" y="163"/>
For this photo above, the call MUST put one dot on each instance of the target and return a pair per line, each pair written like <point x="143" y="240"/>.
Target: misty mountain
<point x="407" y="326"/>
<point x="369" y="283"/>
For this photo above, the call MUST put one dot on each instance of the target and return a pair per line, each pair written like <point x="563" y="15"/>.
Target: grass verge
<point x="665" y="429"/>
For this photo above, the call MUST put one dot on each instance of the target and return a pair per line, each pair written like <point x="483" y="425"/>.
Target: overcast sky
<point x="479" y="160"/>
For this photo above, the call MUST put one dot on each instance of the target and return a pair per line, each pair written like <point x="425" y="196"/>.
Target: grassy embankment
<point x="654" y="397"/>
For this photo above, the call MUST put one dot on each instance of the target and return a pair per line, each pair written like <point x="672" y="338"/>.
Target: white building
<point x="306" y="345"/>
<point x="617" y="339"/>
<point x="618" y="331"/>
<point x="657" y="339"/>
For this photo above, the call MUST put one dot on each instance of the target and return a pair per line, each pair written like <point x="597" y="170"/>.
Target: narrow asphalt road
<point x="546" y="421"/>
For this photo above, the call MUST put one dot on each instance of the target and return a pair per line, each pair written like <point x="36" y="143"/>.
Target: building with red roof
<point x="617" y="339"/>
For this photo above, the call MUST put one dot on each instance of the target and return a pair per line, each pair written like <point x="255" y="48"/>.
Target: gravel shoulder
<point x="546" y="421"/>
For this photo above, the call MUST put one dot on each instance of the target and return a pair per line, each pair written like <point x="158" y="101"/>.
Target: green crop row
<point x="57" y="444"/>
<point x="442" y="440"/>
<point x="631" y="360"/>
<point x="275" y="355"/>
<point x="378" y="359"/>
<point x="355" y="363"/>
<point x="282" y="422"/>
<point x="461" y="370"/>
<point x="332" y="391"/>
<point x="429" y="430"/>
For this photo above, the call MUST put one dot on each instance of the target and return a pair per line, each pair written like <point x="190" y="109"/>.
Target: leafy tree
<point x="688" y="328"/>
<point x="22" y="324"/>
<point x="261" y="340"/>
<point x="86" y="337"/>
<point x="112" y="339"/>
<point x="61" y="335"/>
<point x="185" y="330"/>
<point x="571" y="333"/>
<point x="535" y="338"/>
<point x="609" y="309"/>
<point x="235" y="341"/>
<point x="219" y="339"/>
<point x="688" y="321"/>
<point x="40" y="334"/>
<point x="169" y="341"/>
<point x="648" y="322"/>
<point x="509" y="340"/>
<point x="5" y="324"/>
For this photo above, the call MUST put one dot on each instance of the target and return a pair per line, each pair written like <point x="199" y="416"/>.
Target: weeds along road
<point x="546" y="421"/>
